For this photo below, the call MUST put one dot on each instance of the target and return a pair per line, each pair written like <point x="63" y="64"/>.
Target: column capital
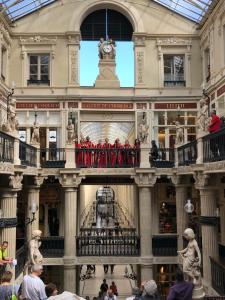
<point x="139" y="39"/>
<point x="15" y="181"/>
<point x="201" y="180"/>
<point x="70" y="180"/>
<point x="145" y="179"/>
<point x="176" y="179"/>
<point x="73" y="37"/>
<point x="38" y="181"/>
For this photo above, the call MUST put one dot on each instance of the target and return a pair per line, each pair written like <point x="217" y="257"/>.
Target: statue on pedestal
<point x="191" y="261"/>
<point x="143" y="131"/>
<point x="179" y="133"/>
<point x="203" y="119"/>
<point x="11" y="125"/>
<point x="35" y="257"/>
<point x="35" y="138"/>
<point x="70" y="132"/>
<point x="106" y="49"/>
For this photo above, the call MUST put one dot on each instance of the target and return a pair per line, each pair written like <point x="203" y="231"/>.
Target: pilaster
<point x="139" y="56"/>
<point x="73" y="58"/>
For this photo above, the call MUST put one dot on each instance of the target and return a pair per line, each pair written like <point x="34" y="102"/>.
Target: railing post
<point x="199" y="151"/>
<point x="70" y="156"/>
<point x="37" y="146"/>
<point x="17" y="152"/>
<point x="176" y="160"/>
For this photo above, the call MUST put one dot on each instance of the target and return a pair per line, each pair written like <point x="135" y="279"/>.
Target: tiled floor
<point x="91" y="286"/>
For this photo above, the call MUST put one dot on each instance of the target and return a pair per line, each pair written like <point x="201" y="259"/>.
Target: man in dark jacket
<point x="182" y="290"/>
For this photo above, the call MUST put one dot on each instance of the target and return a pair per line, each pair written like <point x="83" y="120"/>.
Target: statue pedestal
<point x="200" y="146"/>
<point x="107" y="77"/>
<point x="70" y="156"/>
<point x="198" y="293"/>
<point x="37" y="146"/>
<point x="144" y="156"/>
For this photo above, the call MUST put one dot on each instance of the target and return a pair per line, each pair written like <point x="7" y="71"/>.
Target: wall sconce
<point x="33" y="209"/>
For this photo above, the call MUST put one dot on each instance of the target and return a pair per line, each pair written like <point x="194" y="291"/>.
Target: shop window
<point x="39" y="69"/>
<point x="161" y="118"/>
<point x="174" y="70"/>
<point x="167" y="218"/>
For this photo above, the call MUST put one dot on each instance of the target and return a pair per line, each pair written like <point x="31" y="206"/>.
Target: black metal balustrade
<point x="53" y="158"/>
<point x="214" y="298"/>
<point x="86" y="232"/>
<point x="6" y="147"/>
<point x="163" y="158"/>
<point x="214" y="146"/>
<point x="187" y="154"/>
<point x="21" y="255"/>
<point x="52" y="246"/>
<point x="107" y="158"/>
<point x="164" y="245"/>
<point x="108" y="246"/>
<point x="218" y="275"/>
<point x="27" y="154"/>
<point x="168" y="83"/>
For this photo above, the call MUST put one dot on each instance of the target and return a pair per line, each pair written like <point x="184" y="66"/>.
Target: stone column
<point x="145" y="183"/>
<point x="33" y="193"/>
<point x="209" y="230"/>
<point x="9" y="207"/>
<point x="182" y="222"/>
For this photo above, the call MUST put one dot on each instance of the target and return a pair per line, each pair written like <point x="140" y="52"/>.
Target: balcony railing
<point x="87" y="232"/>
<point x="164" y="245"/>
<point x="6" y="147"/>
<point x="27" y="154"/>
<point x="107" y="158"/>
<point x="187" y="154"/>
<point x="218" y="275"/>
<point x="108" y="246"/>
<point x="164" y="158"/>
<point x="38" y="82"/>
<point x="52" y="246"/>
<point x="52" y="158"/>
<point x="174" y="83"/>
<point x="214" y="146"/>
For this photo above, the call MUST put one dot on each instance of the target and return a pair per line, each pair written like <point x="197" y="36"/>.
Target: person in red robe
<point x="106" y="154"/>
<point x="89" y="151"/>
<point x="99" y="155"/>
<point x="127" y="154"/>
<point x="116" y="156"/>
<point x="136" y="152"/>
<point x="80" y="153"/>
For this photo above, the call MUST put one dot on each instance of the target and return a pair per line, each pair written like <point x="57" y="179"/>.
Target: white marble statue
<point x="203" y="119"/>
<point x="70" y="132"/>
<point x="35" y="138"/>
<point x="11" y="124"/>
<point x="191" y="258"/>
<point x="35" y="256"/>
<point x="143" y="131"/>
<point x="179" y="133"/>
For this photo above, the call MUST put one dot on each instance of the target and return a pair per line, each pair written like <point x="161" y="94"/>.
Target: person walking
<point x="7" y="289"/>
<point x="181" y="290"/>
<point x="104" y="288"/>
<point x="113" y="287"/>
<point x="32" y="286"/>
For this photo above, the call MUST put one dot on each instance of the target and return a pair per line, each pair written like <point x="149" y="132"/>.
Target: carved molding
<point x="140" y="67"/>
<point x="139" y="41"/>
<point x="74" y="65"/>
<point x="70" y="180"/>
<point x="5" y="34"/>
<point x="176" y="179"/>
<point x="201" y="179"/>
<point x="214" y="166"/>
<point x="173" y="41"/>
<point x="38" y="39"/>
<point x="145" y="180"/>
<point x="74" y="39"/>
<point x="15" y="181"/>
<point x="6" y="167"/>
<point x="38" y="180"/>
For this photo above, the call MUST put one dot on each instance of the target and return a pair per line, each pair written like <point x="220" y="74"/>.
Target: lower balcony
<point x="164" y="245"/>
<point x="218" y="274"/>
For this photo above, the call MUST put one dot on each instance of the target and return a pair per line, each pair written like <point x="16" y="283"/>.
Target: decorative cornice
<point x="38" y="39"/>
<point x="173" y="41"/>
<point x="73" y="38"/>
<point x="6" y="167"/>
<point x="38" y="180"/>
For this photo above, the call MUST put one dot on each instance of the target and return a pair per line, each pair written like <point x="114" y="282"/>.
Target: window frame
<point x="173" y="82"/>
<point x="38" y="81"/>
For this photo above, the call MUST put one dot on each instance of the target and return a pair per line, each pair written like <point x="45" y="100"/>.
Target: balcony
<point x="27" y="155"/>
<point x="163" y="159"/>
<point x="218" y="275"/>
<point x="53" y="158"/>
<point x="6" y="148"/>
<point x="214" y="146"/>
<point x="164" y="245"/>
<point x="187" y="154"/>
<point x="38" y="82"/>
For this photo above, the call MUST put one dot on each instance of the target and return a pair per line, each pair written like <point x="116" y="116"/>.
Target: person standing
<point x="7" y="289"/>
<point x="106" y="268"/>
<point x="51" y="290"/>
<point x="150" y="290"/>
<point x="4" y="259"/>
<point x="32" y="286"/>
<point x="215" y="125"/>
<point x="182" y="290"/>
<point x="113" y="287"/>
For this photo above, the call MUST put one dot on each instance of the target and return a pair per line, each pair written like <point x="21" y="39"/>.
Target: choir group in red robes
<point x="106" y="155"/>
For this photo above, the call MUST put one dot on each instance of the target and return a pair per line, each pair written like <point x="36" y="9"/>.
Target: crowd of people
<point x="106" y="155"/>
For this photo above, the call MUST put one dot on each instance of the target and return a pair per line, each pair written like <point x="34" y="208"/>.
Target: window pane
<point x="173" y="67"/>
<point x="33" y="59"/>
<point x="44" y="77"/>
<point x="44" y="69"/>
<point x="44" y="59"/>
<point x="179" y="68"/>
<point x="33" y="77"/>
<point x="33" y="69"/>
<point x="168" y="67"/>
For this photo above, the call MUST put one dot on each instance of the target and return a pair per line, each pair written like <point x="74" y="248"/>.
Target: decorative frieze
<point x="173" y="41"/>
<point x="91" y="105"/>
<point x="74" y="66"/>
<point x="38" y="105"/>
<point x="140" y="66"/>
<point x="38" y="39"/>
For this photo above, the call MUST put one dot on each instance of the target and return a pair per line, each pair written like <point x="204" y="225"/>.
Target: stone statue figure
<point x="35" y="256"/>
<point x="70" y="132"/>
<point x="35" y="138"/>
<point x="106" y="49"/>
<point x="143" y="131"/>
<point x="191" y="258"/>
<point x="203" y="119"/>
<point x="179" y="133"/>
<point x="11" y="125"/>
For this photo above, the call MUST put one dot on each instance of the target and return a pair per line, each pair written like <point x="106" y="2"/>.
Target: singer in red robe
<point x="116" y="156"/>
<point x="99" y="155"/>
<point x="127" y="154"/>
<point x="89" y="151"/>
<point x="107" y="154"/>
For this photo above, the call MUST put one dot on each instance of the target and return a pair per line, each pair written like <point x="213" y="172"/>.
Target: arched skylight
<point x="192" y="9"/>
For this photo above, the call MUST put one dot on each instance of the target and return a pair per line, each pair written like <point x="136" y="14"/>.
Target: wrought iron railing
<point x="107" y="158"/>
<point x="53" y="158"/>
<point x="27" y="154"/>
<point x="218" y="276"/>
<point x="174" y="83"/>
<point x="164" y="245"/>
<point x="108" y="246"/>
<point x="6" y="147"/>
<point x="38" y="82"/>
<point x="162" y="158"/>
<point x="214" y="298"/>
<point x="187" y="154"/>
<point x="87" y="232"/>
<point x="214" y="146"/>
<point x="52" y="246"/>
<point x="21" y="255"/>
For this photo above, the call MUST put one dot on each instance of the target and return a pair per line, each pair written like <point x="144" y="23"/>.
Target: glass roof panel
<point x="192" y="9"/>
